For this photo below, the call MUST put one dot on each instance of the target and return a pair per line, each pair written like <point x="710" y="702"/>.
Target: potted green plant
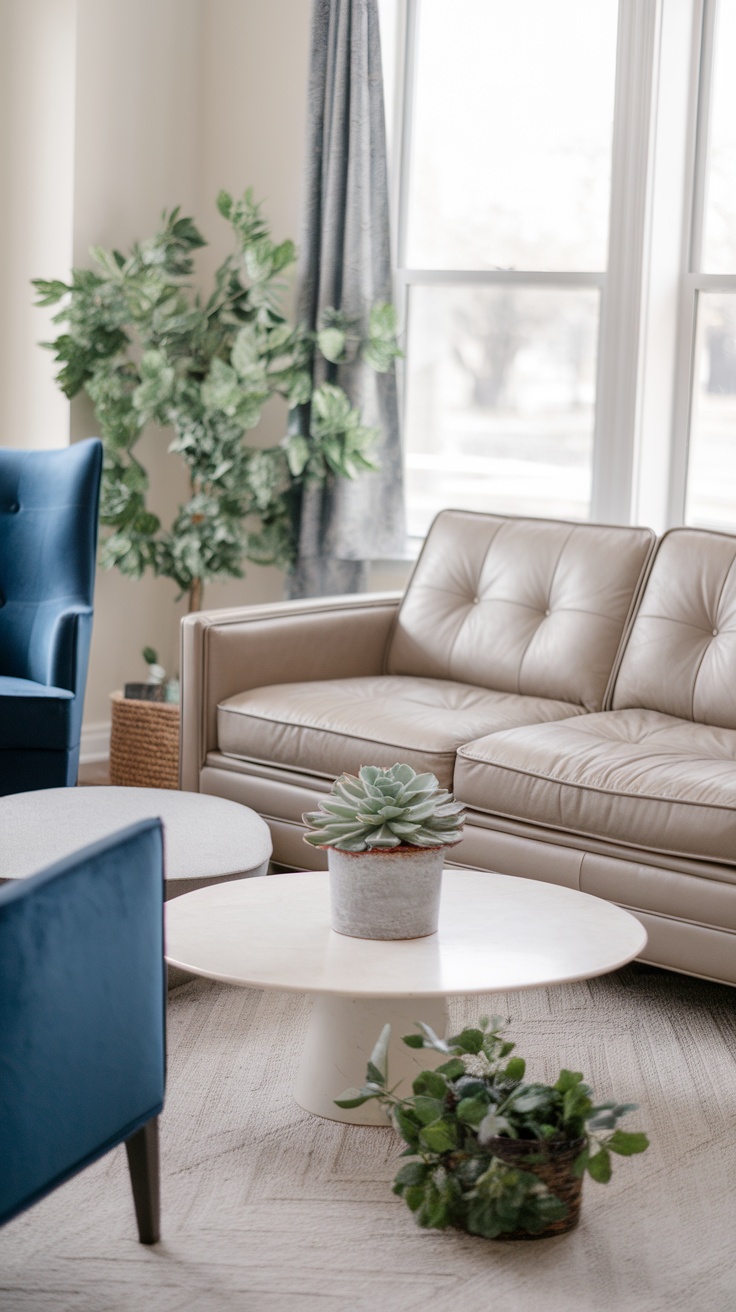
<point x="146" y="348"/>
<point x="385" y="832"/>
<point x="490" y="1152"/>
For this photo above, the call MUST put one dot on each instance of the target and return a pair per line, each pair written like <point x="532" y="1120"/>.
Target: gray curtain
<point x="345" y="262"/>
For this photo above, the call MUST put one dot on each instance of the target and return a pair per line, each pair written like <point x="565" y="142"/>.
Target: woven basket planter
<point x="144" y="743"/>
<point x="553" y="1163"/>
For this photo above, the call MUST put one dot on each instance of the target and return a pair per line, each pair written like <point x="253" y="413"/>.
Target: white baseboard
<point x="95" y="742"/>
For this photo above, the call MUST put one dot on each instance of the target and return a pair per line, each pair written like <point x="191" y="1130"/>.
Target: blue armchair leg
<point x="142" y="1150"/>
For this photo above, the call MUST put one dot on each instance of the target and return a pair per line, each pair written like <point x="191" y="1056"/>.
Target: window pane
<point x="500" y="397"/>
<point x="711" y="489"/>
<point x="511" y="137"/>
<point x="719" y="228"/>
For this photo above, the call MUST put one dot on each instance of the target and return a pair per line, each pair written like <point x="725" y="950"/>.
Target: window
<point x="502" y="251"/>
<point x="565" y="206"/>
<point x="709" y="309"/>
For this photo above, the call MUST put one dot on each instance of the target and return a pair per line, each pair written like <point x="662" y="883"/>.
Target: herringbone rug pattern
<point x="267" y="1209"/>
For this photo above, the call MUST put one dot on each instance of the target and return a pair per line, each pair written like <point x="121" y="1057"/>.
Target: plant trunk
<point x="195" y="595"/>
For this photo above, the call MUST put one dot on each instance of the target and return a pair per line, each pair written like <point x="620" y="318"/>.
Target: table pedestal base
<point x="341" y="1036"/>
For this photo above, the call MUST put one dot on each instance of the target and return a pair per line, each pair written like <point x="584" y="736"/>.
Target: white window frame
<point x="642" y="390"/>
<point x="693" y="281"/>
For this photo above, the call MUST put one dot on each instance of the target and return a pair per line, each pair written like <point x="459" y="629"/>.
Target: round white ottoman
<point x="207" y="840"/>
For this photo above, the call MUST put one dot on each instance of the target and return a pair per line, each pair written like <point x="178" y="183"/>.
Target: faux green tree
<point x="146" y="348"/>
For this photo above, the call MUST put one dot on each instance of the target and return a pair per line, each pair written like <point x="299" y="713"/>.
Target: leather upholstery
<point x="530" y="606"/>
<point x="681" y="654"/>
<point x="231" y="651"/>
<point x="82" y="989"/>
<point x="329" y="726"/>
<point x="635" y="777"/>
<point x="48" y="542"/>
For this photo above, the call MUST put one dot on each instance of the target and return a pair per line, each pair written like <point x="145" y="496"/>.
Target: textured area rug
<point x="267" y="1208"/>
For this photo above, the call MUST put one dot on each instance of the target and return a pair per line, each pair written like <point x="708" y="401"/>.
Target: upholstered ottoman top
<point x="206" y="839"/>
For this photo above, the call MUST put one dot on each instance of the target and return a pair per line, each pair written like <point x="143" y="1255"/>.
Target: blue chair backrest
<point x="48" y="544"/>
<point x="82" y="996"/>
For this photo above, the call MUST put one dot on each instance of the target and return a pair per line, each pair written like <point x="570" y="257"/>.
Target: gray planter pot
<point x="386" y="894"/>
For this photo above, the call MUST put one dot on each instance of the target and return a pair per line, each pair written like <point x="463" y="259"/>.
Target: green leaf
<point x="107" y="261"/>
<point x="406" y="1126"/>
<point x="532" y="1098"/>
<point x="413" y="1040"/>
<point x="283" y="255"/>
<point x="452" y="1069"/>
<point x="567" y="1080"/>
<point x="245" y="351"/>
<point x="440" y="1136"/>
<point x="414" y="1197"/>
<point x="331" y="342"/>
<point x="412" y="1174"/>
<point x="580" y="1165"/>
<point x="431" y="1083"/>
<point x="373" y="1075"/>
<point x="469" y="1040"/>
<point x="428" y="1109"/>
<point x="471" y="1110"/>
<point x="627" y="1143"/>
<point x="300" y="388"/>
<point x="382" y="321"/>
<point x="379" y="1055"/>
<point x="515" y="1069"/>
<point x="297" y="453"/>
<point x="355" y="1098"/>
<point x="599" y="1166"/>
<point x="49" y="292"/>
<point x="221" y="389"/>
<point x="433" y="1214"/>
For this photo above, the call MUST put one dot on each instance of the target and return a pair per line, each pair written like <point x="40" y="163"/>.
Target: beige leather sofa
<point x="574" y="684"/>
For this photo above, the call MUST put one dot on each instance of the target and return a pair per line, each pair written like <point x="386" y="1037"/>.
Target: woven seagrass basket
<point x="553" y="1163"/>
<point x="144" y="743"/>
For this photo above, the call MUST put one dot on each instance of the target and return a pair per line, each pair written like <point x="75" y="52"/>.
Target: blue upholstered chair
<point x="82" y="993"/>
<point x="48" y="543"/>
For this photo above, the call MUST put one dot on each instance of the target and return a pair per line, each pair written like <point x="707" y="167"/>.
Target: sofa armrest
<point x="224" y="652"/>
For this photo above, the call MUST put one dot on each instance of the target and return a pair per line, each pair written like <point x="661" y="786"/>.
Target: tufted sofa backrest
<point x="680" y="658"/>
<point x="532" y="606"/>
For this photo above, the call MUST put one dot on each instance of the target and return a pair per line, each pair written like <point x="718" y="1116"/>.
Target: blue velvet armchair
<point x="48" y="543"/>
<point x="82" y="1039"/>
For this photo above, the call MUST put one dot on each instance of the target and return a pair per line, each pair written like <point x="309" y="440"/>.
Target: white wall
<point x="253" y="69"/>
<point x="111" y="111"/>
<point x="37" y="60"/>
<point x="136" y="153"/>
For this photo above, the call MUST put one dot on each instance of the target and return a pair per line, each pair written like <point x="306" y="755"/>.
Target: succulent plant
<point x="384" y="809"/>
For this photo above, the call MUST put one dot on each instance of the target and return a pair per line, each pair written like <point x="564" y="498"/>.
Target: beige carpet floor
<point x="266" y="1208"/>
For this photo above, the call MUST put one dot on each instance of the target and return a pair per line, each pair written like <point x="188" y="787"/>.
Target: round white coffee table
<point x="496" y="932"/>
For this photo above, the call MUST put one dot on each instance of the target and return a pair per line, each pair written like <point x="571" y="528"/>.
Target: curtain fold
<point x="345" y="262"/>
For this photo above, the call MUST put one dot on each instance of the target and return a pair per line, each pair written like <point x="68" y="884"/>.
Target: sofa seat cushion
<point x="634" y="777"/>
<point x="33" y="715"/>
<point x="327" y="727"/>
